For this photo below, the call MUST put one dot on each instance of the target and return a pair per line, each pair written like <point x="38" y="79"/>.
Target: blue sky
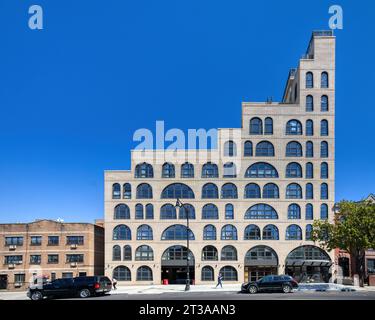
<point x="72" y="95"/>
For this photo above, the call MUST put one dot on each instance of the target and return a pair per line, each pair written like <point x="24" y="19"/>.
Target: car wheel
<point x="253" y="289"/>
<point x="36" y="296"/>
<point x="287" y="288"/>
<point x="84" y="293"/>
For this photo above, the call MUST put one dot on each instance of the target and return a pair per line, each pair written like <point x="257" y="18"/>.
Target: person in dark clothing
<point x="219" y="281"/>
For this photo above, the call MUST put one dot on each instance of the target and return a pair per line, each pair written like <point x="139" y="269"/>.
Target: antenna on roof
<point x="60" y="220"/>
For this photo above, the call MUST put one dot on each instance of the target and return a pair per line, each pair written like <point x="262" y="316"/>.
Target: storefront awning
<point x="312" y="263"/>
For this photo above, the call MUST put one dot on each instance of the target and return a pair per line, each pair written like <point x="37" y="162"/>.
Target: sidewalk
<point x="154" y="289"/>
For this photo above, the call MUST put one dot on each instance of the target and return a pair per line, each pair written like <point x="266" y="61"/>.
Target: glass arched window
<point x="149" y="211"/>
<point x="323" y="211"/>
<point x="230" y="149"/>
<point x="261" y="211"/>
<point x="256" y="126"/>
<point x="144" y="232"/>
<point x="116" y="191"/>
<point x="248" y="149"/>
<point x="228" y="253"/>
<point x="309" y="149"/>
<point x="138" y="211"/>
<point x="309" y="80"/>
<point x="229" y="273"/>
<point x="270" y="232"/>
<point x="309" y="128"/>
<point x="293" y="232"/>
<point x="293" y="127"/>
<point x="144" y="170"/>
<point x="168" y="211"/>
<point x="177" y="190"/>
<point x="294" y="211"/>
<point x="177" y="232"/>
<point x="127" y="191"/>
<point x="228" y="232"/>
<point x="324" y="103"/>
<point x="168" y="170"/>
<point x="324" y="80"/>
<point x="144" y="191"/>
<point x="209" y="232"/>
<point x="122" y="211"/>
<point x="309" y="170"/>
<point x="324" y="191"/>
<point x="229" y="211"/>
<point x="209" y="253"/>
<point x="294" y="191"/>
<point x="309" y="103"/>
<point x="271" y="191"/>
<point x="309" y="212"/>
<point x="122" y="273"/>
<point x="178" y="254"/>
<point x="186" y="209"/>
<point x="324" y="149"/>
<point x="210" y="211"/>
<point x="324" y="128"/>
<point x="210" y="191"/>
<point x="252" y="191"/>
<point x="144" y="273"/>
<point x="144" y="253"/>
<point x="309" y="191"/>
<point x="210" y="170"/>
<point x="122" y="232"/>
<point x="324" y="170"/>
<point x="229" y="191"/>
<point x="268" y="126"/>
<point x="187" y="170"/>
<point x="261" y="170"/>
<point x="252" y="232"/>
<point x="127" y="253"/>
<point x="207" y="273"/>
<point x="264" y="149"/>
<point x="116" y="253"/>
<point x="293" y="170"/>
<point x="229" y="170"/>
<point x="308" y="233"/>
<point x="293" y="149"/>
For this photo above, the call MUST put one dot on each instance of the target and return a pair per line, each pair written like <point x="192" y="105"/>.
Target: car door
<point x="53" y="289"/>
<point x="67" y="288"/>
<point x="266" y="283"/>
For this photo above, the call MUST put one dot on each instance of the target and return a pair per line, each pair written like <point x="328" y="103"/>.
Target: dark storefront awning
<point x="312" y="263"/>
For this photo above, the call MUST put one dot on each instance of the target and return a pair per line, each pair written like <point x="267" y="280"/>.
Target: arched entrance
<point x="174" y="265"/>
<point x="260" y="261"/>
<point x="308" y="264"/>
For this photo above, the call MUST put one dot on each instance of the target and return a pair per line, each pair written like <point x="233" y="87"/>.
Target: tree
<point x="352" y="230"/>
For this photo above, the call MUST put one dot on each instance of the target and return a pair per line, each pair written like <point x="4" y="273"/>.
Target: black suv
<point x="82" y="287"/>
<point x="270" y="283"/>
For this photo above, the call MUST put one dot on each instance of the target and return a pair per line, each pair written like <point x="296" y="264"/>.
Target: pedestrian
<point x="219" y="280"/>
<point x="114" y="283"/>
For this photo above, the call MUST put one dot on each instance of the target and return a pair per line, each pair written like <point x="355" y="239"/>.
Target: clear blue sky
<point x="72" y="95"/>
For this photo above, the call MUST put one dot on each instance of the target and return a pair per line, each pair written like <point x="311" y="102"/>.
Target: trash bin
<point x="165" y="281"/>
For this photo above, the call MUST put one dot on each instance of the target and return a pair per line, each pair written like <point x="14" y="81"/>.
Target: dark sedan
<point x="271" y="284"/>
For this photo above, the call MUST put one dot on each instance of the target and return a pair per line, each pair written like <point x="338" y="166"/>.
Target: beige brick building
<point x="50" y="249"/>
<point x="251" y="200"/>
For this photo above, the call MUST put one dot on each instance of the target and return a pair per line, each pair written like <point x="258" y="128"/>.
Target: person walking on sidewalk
<point x="219" y="280"/>
<point x="114" y="283"/>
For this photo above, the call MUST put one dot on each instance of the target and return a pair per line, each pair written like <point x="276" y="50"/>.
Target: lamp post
<point x="180" y="205"/>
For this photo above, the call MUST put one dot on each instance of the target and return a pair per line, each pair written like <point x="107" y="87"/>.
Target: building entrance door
<point x="177" y="275"/>
<point x="3" y="281"/>
<point x="255" y="273"/>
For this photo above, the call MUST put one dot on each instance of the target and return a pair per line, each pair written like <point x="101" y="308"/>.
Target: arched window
<point x="265" y="149"/>
<point x="309" y="103"/>
<point x="309" y="128"/>
<point x="309" y="149"/>
<point x="323" y="211"/>
<point x="230" y="149"/>
<point x="252" y="191"/>
<point x="309" y="212"/>
<point x="168" y="170"/>
<point x="127" y="253"/>
<point x="324" y="128"/>
<point x="294" y="211"/>
<point x="324" y="149"/>
<point x="229" y="191"/>
<point x="293" y="149"/>
<point x="261" y="255"/>
<point x="116" y="191"/>
<point x="177" y="190"/>
<point x="122" y="273"/>
<point x="187" y="170"/>
<point x="210" y="191"/>
<point x="293" y="170"/>
<point x="187" y="209"/>
<point x="127" y="191"/>
<point x="177" y="232"/>
<point x="229" y="211"/>
<point x="309" y="80"/>
<point x="149" y="211"/>
<point x="144" y="253"/>
<point x="144" y="191"/>
<point x="116" y="253"/>
<point x="121" y="232"/>
<point x="229" y="273"/>
<point x="324" y="80"/>
<point x="144" y="273"/>
<point x="209" y="253"/>
<point x="261" y="170"/>
<point x="229" y="170"/>
<point x="144" y="170"/>
<point x="210" y="170"/>
<point x="210" y="211"/>
<point x="324" y="191"/>
<point x="293" y="127"/>
<point x="209" y="232"/>
<point x="256" y="126"/>
<point x="207" y="273"/>
<point x="270" y="232"/>
<point x="268" y="126"/>
<point x="178" y="254"/>
<point x="252" y="232"/>
<point x="122" y="211"/>
<point x="228" y="232"/>
<point x="309" y="191"/>
<point x="309" y="170"/>
<point x="324" y="170"/>
<point x="293" y="232"/>
<point x="144" y="232"/>
<point x="309" y="230"/>
<point x="261" y="211"/>
<point x="324" y="106"/>
<point x="228" y="253"/>
<point x="168" y="211"/>
<point x="294" y="191"/>
<point x="271" y="191"/>
<point x="248" y="149"/>
<point x="139" y="211"/>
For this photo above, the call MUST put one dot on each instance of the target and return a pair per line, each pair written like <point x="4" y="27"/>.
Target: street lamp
<point x="180" y="205"/>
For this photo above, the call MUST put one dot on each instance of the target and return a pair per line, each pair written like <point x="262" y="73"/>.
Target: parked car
<point x="82" y="287"/>
<point x="270" y="283"/>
